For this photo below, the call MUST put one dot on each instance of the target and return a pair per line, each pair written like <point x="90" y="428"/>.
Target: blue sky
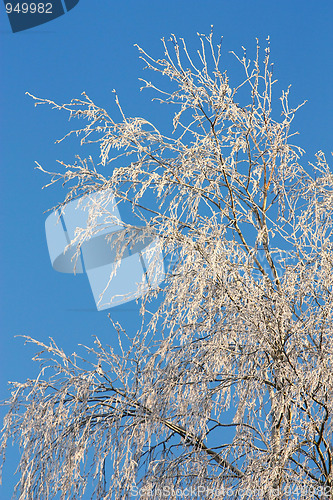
<point x="91" y="49"/>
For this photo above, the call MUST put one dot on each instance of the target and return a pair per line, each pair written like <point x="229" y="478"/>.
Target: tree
<point x="241" y="339"/>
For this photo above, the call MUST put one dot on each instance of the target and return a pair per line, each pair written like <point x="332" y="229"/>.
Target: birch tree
<point x="225" y="390"/>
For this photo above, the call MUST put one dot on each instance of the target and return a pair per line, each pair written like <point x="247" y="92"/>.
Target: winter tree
<point x="226" y="389"/>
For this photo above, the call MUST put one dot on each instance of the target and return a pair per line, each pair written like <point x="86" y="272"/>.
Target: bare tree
<point x="226" y="389"/>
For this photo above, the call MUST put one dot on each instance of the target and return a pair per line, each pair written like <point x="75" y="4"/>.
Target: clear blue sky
<point x="91" y="49"/>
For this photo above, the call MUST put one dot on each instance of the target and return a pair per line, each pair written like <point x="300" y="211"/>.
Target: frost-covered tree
<point x="226" y="389"/>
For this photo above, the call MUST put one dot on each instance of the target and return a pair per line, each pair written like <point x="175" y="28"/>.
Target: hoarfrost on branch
<point x="228" y="382"/>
